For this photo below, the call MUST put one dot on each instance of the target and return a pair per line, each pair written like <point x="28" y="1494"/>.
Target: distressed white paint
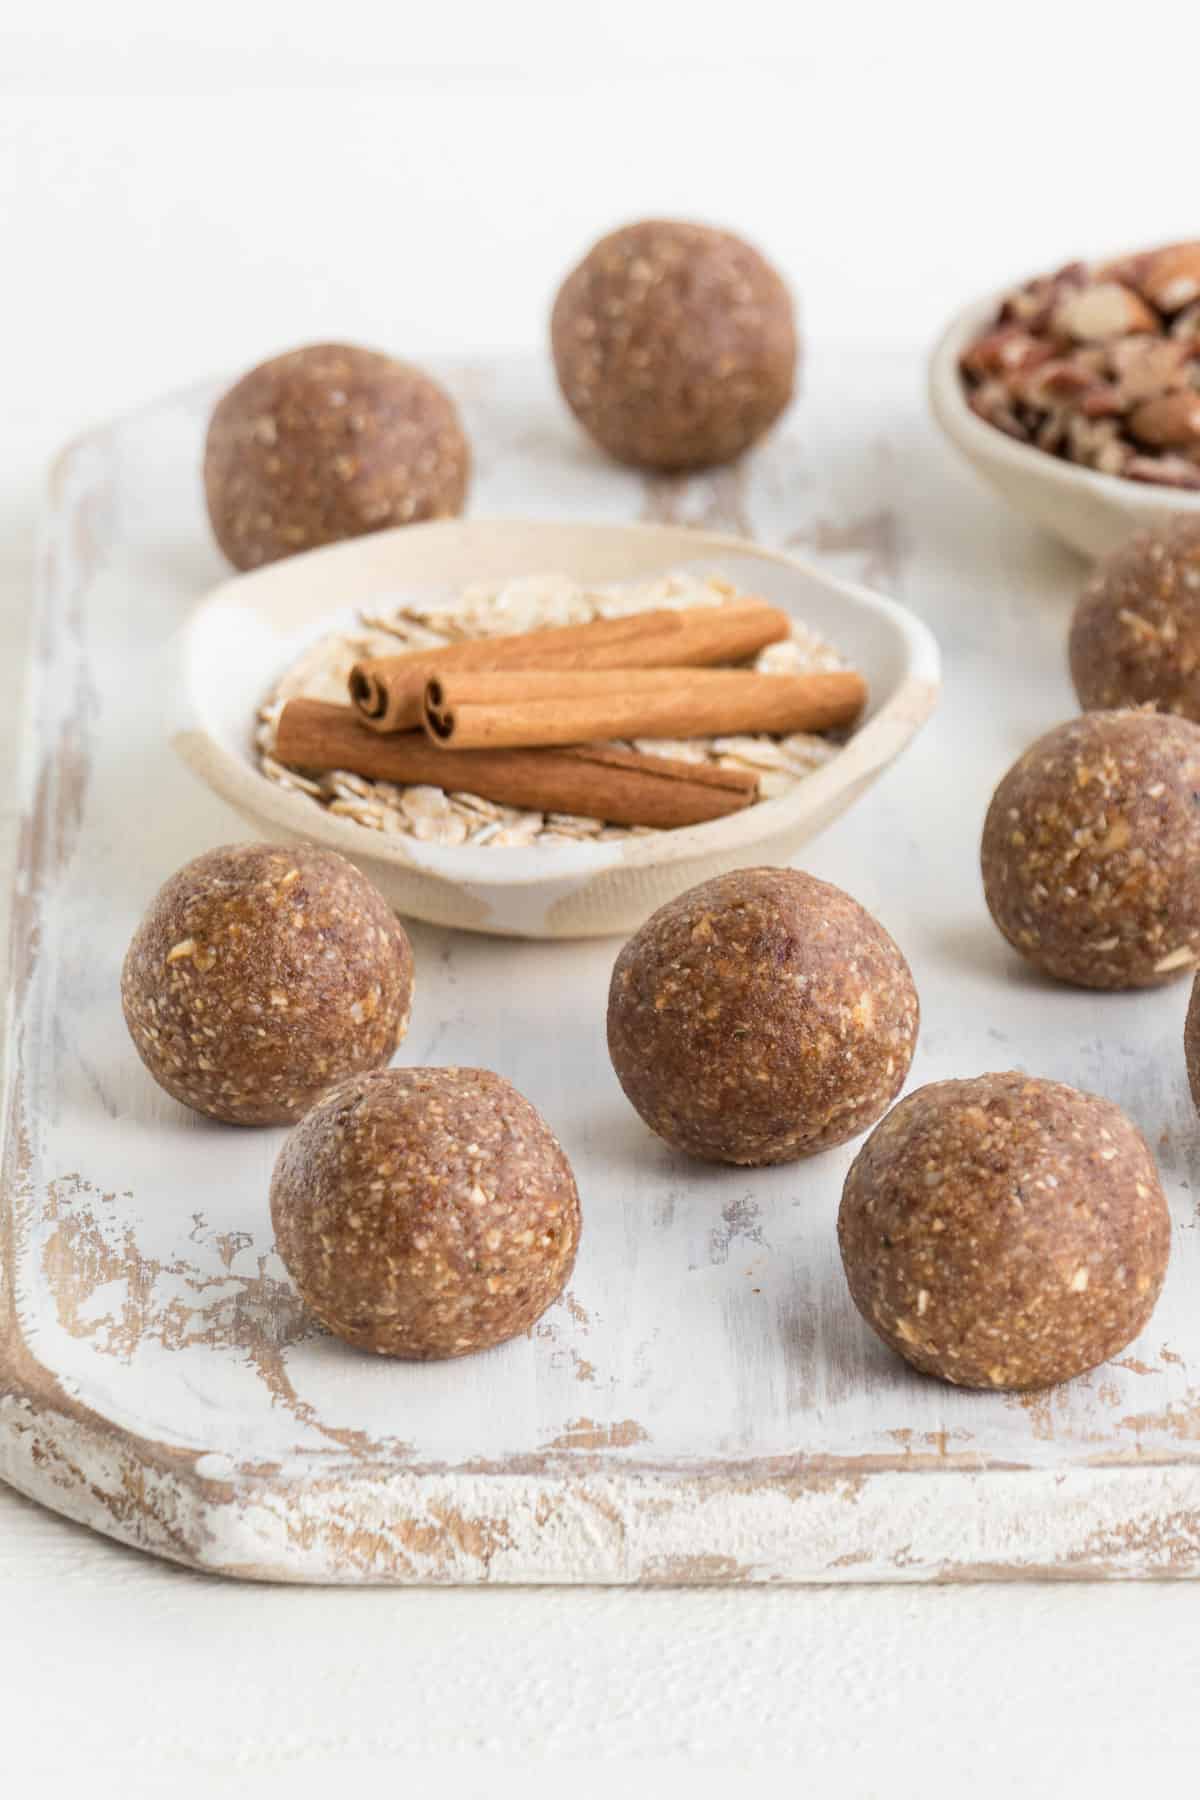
<point x="711" y="1349"/>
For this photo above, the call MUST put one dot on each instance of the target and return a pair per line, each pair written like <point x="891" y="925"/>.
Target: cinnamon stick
<point x="388" y="691"/>
<point x="521" y="708"/>
<point x="597" y="781"/>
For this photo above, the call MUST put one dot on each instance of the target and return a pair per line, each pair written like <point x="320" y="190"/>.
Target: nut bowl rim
<point x="982" y="442"/>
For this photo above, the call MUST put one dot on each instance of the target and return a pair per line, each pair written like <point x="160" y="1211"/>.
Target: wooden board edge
<point x="612" y="1526"/>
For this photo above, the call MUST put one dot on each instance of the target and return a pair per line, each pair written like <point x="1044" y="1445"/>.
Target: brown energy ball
<point x="675" y="344"/>
<point x="1191" y="1042"/>
<point x="1091" y="851"/>
<point x="1135" y="637"/>
<point x="325" y="443"/>
<point x="1004" y="1232"/>
<point x="261" y="976"/>
<point x="761" y="1017"/>
<point x="426" y="1212"/>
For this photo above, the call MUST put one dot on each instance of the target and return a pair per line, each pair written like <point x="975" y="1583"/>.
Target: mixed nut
<point x="1100" y="365"/>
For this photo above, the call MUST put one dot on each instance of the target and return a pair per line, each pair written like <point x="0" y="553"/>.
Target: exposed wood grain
<point x="705" y="1406"/>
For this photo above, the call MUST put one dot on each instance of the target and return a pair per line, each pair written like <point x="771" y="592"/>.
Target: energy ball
<point x="262" y="976"/>
<point x="426" y="1213"/>
<point x="1091" y="851"/>
<point x="761" y="1017"/>
<point x="325" y="443"/>
<point x="1191" y="1042"/>
<point x="1135" y="637"/>
<point x="1004" y="1232"/>
<point x="675" y="345"/>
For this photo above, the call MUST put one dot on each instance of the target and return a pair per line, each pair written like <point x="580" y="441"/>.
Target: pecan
<point x="1061" y="379"/>
<point x="1103" y="401"/>
<point x="993" y="402"/>
<point x="1008" y="347"/>
<point x="1167" y="471"/>
<point x="1051" y="434"/>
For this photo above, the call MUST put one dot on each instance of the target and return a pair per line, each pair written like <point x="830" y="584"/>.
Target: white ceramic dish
<point x="251" y="627"/>
<point x="1091" y="512"/>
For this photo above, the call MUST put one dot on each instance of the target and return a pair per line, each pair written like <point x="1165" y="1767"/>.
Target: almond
<point x="1172" y="279"/>
<point x="1147" y="367"/>
<point x="1103" y="310"/>
<point x="1170" y="421"/>
<point x="1096" y="442"/>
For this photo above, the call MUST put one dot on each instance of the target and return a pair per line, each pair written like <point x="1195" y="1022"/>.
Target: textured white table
<point x="126" y="1678"/>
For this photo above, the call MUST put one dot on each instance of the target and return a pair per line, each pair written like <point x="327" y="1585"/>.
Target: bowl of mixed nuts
<point x="1077" y="393"/>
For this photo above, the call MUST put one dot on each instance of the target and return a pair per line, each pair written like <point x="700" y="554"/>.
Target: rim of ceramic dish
<point x="973" y="434"/>
<point x="865" y="754"/>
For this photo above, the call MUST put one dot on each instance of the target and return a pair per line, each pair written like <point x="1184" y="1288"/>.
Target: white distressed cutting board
<point x="705" y="1404"/>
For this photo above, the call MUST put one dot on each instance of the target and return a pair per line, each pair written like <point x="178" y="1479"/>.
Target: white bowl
<point x="250" y="628"/>
<point x="1091" y="512"/>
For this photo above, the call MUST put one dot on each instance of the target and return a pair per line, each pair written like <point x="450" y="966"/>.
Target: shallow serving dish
<point x="1091" y="512"/>
<point x="250" y="628"/>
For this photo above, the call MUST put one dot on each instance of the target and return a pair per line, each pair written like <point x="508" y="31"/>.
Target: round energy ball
<point x="325" y="443"/>
<point x="426" y="1213"/>
<point x="1004" y="1232"/>
<point x="261" y="976"/>
<point x="1191" y="1042"/>
<point x="1135" y="636"/>
<point x="1091" y="851"/>
<point x="761" y="1017"/>
<point x="675" y="344"/>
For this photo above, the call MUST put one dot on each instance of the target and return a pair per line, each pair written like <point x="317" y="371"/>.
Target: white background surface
<point x="185" y="190"/>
